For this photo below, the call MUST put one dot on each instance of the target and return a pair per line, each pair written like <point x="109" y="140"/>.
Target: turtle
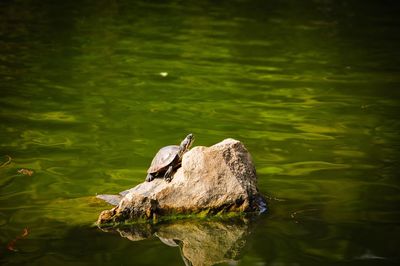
<point x="168" y="159"/>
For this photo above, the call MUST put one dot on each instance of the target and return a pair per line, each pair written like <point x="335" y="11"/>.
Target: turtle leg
<point x="149" y="177"/>
<point x="168" y="174"/>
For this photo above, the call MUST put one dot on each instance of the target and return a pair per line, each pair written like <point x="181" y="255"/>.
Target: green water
<point x="90" y="90"/>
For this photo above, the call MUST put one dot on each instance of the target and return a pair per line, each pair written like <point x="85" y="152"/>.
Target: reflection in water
<point x="200" y="242"/>
<point x="311" y="87"/>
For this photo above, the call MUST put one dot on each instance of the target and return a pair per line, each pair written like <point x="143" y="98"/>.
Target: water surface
<point x="90" y="90"/>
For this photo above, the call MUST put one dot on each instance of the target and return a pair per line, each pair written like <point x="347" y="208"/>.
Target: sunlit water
<point x="91" y="90"/>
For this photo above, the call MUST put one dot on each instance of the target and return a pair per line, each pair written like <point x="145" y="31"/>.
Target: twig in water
<point x="11" y="244"/>
<point x="293" y="214"/>
<point x="274" y="198"/>
<point x="8" y="161"/>
<point x="25" y="172"/>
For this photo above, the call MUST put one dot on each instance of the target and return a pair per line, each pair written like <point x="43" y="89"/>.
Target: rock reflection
<point x="200" y="242"/>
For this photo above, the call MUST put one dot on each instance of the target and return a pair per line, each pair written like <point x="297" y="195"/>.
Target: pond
<point x="90" y="90"/>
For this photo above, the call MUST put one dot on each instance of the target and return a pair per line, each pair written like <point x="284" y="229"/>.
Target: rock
<point x="212" y="180"/>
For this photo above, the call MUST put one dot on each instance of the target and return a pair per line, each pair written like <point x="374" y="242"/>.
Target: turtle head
<point x="186" y="143"/>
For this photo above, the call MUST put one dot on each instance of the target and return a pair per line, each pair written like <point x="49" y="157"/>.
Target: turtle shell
<point x="164" y="157"/>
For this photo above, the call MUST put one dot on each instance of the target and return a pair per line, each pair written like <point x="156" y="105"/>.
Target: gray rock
<point x="212" y="180"/>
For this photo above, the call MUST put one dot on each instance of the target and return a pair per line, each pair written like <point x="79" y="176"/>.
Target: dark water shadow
<point x="201" y="242"/>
